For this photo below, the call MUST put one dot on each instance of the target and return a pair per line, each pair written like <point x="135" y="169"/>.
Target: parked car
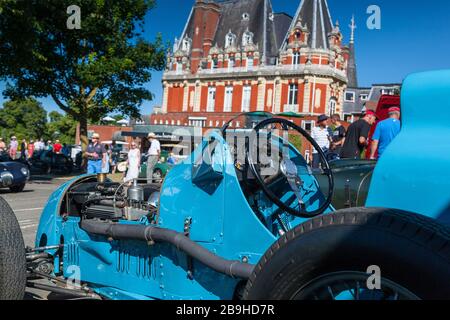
<point x="46" y="162"/>
<point x="352" y="180"/>
<point x="13" y="174"/>
<point x="161" y="168"/>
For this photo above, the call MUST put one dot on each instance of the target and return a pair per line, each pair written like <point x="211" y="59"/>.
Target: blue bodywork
<point x="413" y="174"/>
<point x="224" y="222"/>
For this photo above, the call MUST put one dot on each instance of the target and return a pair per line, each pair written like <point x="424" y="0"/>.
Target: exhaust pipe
<point x="180" y="241"/>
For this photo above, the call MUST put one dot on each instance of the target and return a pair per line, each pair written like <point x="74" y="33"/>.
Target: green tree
<point x="89" y="72"/>
<point x="61" y="127"/>
<point x="25" y="119"/>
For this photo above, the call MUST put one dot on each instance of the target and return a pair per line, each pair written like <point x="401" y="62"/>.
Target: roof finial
<point x="353" y="28"/>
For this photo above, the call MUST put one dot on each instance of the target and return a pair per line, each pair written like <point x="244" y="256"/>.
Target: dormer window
<point x="186" y="44"/>
<point x="245" y="17"/>
<point x="215" y="63"/>
<point x="230" y="40"/>
<point x="247" y="38"/>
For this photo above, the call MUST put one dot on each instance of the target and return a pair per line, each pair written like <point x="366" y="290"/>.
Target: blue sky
<point x="414" y="36"/>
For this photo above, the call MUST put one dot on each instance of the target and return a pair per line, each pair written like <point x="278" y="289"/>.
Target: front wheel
<point x="357" y="254"/>
<point x="18" y="188"/>
<point x="12" y="255"/>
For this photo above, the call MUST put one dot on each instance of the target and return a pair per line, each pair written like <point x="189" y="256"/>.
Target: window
<point x="214" y="63"/>
<point x="364" y="97"/>
<point x="332" y="106"/>
<point x="247" y="38"/>
<point x="197" y="122"/>
<point x="230" y="40"/>
<point x="179" y="67"/>
<point x="186" y="45"/>
<point x="296" y="59"/>
<point x="231" y="63"/>
<point x="293" y="94"/>
<point x="228" y="102"/>
<point x="308" y="125"/>
<point x="350" y="96"/>
<point x="246" y="96"/>
<point x="250" y="62"/>
<point x="211" y="99"/>
<point x="245" y="16"/>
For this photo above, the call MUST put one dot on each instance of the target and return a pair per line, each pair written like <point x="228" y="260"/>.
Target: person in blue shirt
<point x="96" y="155"/>
<point x="385" y="132"/>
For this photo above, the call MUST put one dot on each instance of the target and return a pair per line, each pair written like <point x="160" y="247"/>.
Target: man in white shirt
<point x="154" y="152"/>
<point x="37" y="146"/>
<point x="321" y="135"/>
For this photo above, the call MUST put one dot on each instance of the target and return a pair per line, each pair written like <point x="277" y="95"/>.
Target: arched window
<point x="247" y="38"/>
<point x="230" y="39"/>
<point x="186" y="45"/>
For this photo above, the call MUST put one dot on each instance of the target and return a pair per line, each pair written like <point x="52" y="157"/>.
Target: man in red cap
<point x="385" y="132"/>
<point x="357" y="134"/>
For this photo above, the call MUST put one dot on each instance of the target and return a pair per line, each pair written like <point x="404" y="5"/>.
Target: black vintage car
<point x="13" y="174"/>
<point x="46" y="162"/>
<point x="352" y="180"/>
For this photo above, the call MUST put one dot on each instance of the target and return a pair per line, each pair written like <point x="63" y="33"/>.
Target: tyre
<point x="341" y="256"/>
<point x="17" y="189"/>
<point x="12" y="255"/>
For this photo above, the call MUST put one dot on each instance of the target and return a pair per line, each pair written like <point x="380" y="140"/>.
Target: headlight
<point x="6" y="179"/>
<point x="25" y="171"/>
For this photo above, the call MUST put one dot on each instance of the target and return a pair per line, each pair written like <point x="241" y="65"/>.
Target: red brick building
<point x="236" y="56"/>
<point x="107" y="133"/>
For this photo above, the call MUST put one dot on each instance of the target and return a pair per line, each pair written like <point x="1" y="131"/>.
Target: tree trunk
<point x="84" y="138"/>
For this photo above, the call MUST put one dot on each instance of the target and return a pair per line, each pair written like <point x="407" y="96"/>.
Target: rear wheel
<point x="12" y="255"/>
<point x="345" y="254"/>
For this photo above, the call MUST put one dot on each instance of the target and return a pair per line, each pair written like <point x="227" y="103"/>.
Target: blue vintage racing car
<point x="244" y="218"/>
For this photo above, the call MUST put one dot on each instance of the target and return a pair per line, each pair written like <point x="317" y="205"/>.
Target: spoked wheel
<point x="357" y="254"/>
<point x="351" y="285"/>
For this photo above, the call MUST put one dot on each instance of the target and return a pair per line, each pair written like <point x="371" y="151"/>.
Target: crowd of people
<point x="25" y="150"/>
<point x="340" y="143"/>
<point x="101" y="159"/>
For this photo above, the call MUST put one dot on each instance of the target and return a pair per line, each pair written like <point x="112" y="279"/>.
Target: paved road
<point x="28" y="207"/>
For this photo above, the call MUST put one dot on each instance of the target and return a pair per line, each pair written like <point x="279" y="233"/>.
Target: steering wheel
<point x="288" y="170"/>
